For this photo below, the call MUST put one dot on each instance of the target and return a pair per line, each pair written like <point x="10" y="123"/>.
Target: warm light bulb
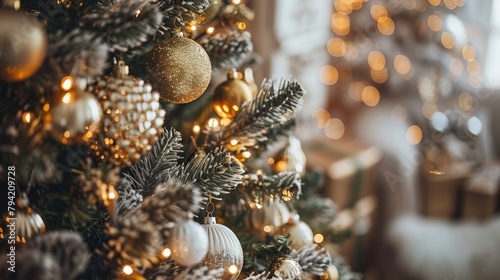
<point x="137" y="13"/>
<point x="213" y="122"/>
<point x="166" y="252"/>
<point x="246" y="154"/>
<point x="196" y="129"/>
<point x="268" y="228"/>
<point x="210" y="30"/>
<point x="66" y="98"/>
<point x="233" y="142"/>
<point x="112" y="195"/>
<point x="318" y="238"/>
<point x="414" y="134"/>
<point x="67" y="83"/>
<point x="193" y="28"/>
<point x="233" y="269"/>
<point x="27" y="117"/>
<point x="128" y="270"/>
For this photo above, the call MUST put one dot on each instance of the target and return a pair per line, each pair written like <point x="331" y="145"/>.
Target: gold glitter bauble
<point x="73" y="116"/>
<point x="180" y="69"/>
<point x="230" y="95"/>
<point x="271" y="216"/>
<point x="188" y="242"/>
<point x="286" y="268"/>
<point x="210" y="12"/>
<point x="23" y="45"/>
<point x="28" y="223"/>
<point x="291" y="158"/>
<point x="224" y="249"/>
<point x="301" y="234"/>
<point x="132" y="120"/>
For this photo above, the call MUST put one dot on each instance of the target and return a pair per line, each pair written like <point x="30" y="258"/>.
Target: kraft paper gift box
<point x="441" y="191"/>
<point x="349" y="168"/>
<point x="480" y="198"/>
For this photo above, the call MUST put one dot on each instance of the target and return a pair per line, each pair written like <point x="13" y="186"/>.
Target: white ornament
<point x="267" y="219"/>
<point x="188" y="242"/>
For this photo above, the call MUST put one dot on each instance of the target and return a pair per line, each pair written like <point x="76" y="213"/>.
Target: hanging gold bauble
<point x="248" y="78"/>
<point x="224" y="249"/>
<point x="23" y="45"/>
<point x="286" y="268"/>
<point x="188" y="242"/>
<point x="180" y="69"/>
<point x="332" y="273"/>
<point x="271" y="216"/>
<point x="132" y="120"/>
<point x="291" y="158"/>
<point x="73" y="116"/>
<point x="210" y="12"/>
<point x="300" y="233"/>
<point x="230" y="95"/>
<point x="27" y="222"/>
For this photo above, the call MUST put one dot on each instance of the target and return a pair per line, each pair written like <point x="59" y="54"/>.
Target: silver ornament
<point x="291" y="158"/>
<point x="271" y="216"/>
<point x="286" y="268"/>
<point x="301" y="234"/>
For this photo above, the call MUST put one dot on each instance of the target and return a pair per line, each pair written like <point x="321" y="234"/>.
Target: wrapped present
<point x="441" y="189"/>
<point x="480" y="197"/>
<point x="349" y="168"/>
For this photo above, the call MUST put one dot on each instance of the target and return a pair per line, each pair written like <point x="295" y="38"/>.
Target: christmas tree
<point x="116" y="145"/>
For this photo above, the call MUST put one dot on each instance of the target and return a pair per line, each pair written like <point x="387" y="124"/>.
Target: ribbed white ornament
<point x="272" y="215"/>
<point x="224" y="249"/>
<point x="188" y="242"/>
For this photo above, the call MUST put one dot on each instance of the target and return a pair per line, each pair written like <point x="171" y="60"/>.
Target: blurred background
<point x="400" y="116"/>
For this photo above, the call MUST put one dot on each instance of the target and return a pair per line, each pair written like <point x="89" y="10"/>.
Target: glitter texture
<point x="179" y="69"/>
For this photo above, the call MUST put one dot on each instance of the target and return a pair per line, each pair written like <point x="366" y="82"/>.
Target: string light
<point x="213" y="122"/>
<point x="210" y="30"/>
<point x="67" y="83"/>
<point x="196" y="129"/>
<point x="414" y="134"/>
<point x="128" y="270"/>
<point x="166" y="252"/>
<point x="233" y="142"/>
<point x="27" y="117"/>
<point x="137" y="13"/>
<point x="268" y="228"/>
<point x="246" y="154"/>
<point x="233" y="269"/>
<point x="329" y="75"/>
<point x="66" y="98"/>
<point x="318" y="238"/>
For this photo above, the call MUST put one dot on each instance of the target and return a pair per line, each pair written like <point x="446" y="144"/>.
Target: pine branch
<point x="157" y="166"/>
<point x="227" y="50"/>
<point x="130" y="199"/>
<point x="258" y="255"/>
<point x="201" y="273"/>
<point x="276" y="133"/>
<point x="273" y="105"/>
<point x="55" y="255"/>
<point x="312" y="260"/>
<point x="216" y="173"/>
<point x="81" y="46"/>
<point x="171" y="202"/>
<point x="255" y="188"/>
<point x="260" y="276"/>
<point x="124" y="24"/>
<point x="179" y="12"/>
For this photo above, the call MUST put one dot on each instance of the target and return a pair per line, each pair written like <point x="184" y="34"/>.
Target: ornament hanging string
<point x="210" y="206"/>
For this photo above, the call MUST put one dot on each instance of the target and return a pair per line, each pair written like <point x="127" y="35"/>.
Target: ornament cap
<point x="122" y="69"/>
<point x="210" y="221"/>
<point x="232" y="74"/>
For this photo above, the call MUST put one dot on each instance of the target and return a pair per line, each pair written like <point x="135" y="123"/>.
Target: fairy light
<point x="340" y="24"/>
<point x="67" y="83"/>
<point x="213" y="122"/>
<point x="210" y="30"/>
<point x="246" y="154"/>
<point x="233" y="142"/>
<point x="322" y="118"/>
<point x="447" y="40"/>
<point x="233" y="269"/>
<point x="414" y="134"/>
<point x="318" y="238"/>
<point x="193" y="28"/>
<point x="166" y="252"/>
<point x="128" y="270"/>
<point x="137" y="13"/>
<point x="236" y="2"/>
<point x="66" y="98"/>
<point x="376" y="60"/>
<point x="329" y="75"/>
<point x="196" y="129"/>
<point x="241" y="25"/>
<point x="270" y="160"/>
<point x="402" y="64"/>
<point x="267" y="228"/>
<point x="336" y="47"/>
<point x="378" y="11"/>
<point x="435" y="23"/>
<point x="386" y="25"/>
<point x="434" y="2"/>
<point x="27" y="117"/>
<point x="370" y="96"/>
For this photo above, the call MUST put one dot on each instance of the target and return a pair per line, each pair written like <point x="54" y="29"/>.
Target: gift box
<point x="349" y="168"/>
<point x="441" y="189"/>
<point x="481" y="193"/>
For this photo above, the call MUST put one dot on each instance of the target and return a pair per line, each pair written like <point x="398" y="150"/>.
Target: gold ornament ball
<point x="210" y="12"/>
<point x="230" y="95"/>
<point x="28" y="222"/>
<point x="132" y="120"/>
<point x="179" y="69"/>
<point x="23" y="45"/>
<point x="291" y="158"/>
<point x="72" y="116"/>
<point x="332" y="273"/>
<point x="286" y="268"/>
<point x="301" y="234"/>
